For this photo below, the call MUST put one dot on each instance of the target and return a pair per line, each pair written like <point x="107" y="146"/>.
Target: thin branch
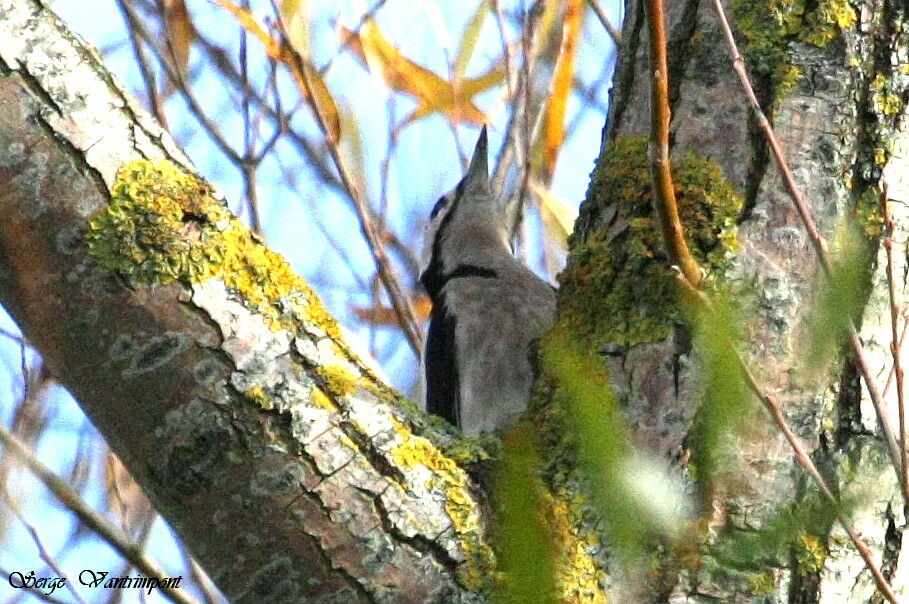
<point x="352" y="35"/>
<point x="801" y="455"/>
<point x="889" y="227"/>
<point x="658" y="149"/>
<point x="145" y="70"/>
<point x="902" y="341"/>
<point x="39" y="544"/>
<point x="614" y="33"/>
<point x="506" y="48"/>
<point x="817" y="242"/>
<point x="203" y="581"/>
<point x="210" y="128"/>
<point x="399" y="298"/>
<point x="92" y="519"/>
<point x="519" y="131"/>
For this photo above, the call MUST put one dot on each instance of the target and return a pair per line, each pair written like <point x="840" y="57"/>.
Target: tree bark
<point x="288" y="469"/>
<point x="832" y="76"/>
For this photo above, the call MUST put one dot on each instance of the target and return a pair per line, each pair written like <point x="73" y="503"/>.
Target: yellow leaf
<point x="558" y="217"/>
<point x="561" y="85"/>
<point x="324" y="102"/>
<point x="469" y="39"/>
<point x="474" y="86"/>
<point x="296" y="23"/>
<point x="251" y="25"/>
<point x="180" y="33"/>
<point x="387" y="317"/>
<point x="290" y="7"/>
<point x="433" y="93"/>
<point x="458" y="106"/>
<point x="304" y="72"/>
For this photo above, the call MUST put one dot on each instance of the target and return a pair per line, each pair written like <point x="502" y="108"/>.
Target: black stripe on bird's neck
<point x="434" y="281"/>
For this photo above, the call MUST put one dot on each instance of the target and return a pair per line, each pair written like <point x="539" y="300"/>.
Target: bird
<point x="488" y="309"/>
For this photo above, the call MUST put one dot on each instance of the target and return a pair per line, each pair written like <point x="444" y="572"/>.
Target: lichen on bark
<point x="165" y="224"/>
<point x="617" y="286"/>
<point x="770" y="25"/>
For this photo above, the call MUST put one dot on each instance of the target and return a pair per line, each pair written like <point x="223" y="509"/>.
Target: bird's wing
<point x="442" y="386"/>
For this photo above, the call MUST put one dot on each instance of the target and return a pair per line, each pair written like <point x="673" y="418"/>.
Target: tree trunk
<point x="832" y="76"/>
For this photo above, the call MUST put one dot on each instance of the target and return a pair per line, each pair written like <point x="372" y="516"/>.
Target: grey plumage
<point x="488" y="309"/>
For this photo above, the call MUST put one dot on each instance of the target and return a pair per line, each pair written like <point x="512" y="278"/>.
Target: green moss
<point x="617" y="286"/>
<point x="467" y="451"/>
<point x="164" y="224"/>
<point x="770" y="25"/>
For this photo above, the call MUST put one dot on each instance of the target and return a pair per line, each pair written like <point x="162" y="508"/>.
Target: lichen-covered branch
<point x="213" y="371"/>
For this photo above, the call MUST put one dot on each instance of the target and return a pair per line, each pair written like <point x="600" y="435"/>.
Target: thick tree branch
<point x="287" y="468"/>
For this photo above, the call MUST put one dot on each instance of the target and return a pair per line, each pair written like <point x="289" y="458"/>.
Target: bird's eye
<point x="443" y="201"/>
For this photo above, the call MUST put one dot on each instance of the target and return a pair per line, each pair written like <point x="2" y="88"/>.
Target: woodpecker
<point x="487" y="308"/>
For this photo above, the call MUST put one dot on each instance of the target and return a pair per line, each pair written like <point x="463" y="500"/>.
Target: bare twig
<point x="352" y="35"/>
<point x="399" y="298"/>
<point x="902" y="341"/>
<point x="522" y="128"/>
<point x="37" y="593"/>
<point x="895" y="339"/>
<point x="658" y="149"/>
<point x="817" y="241"/>
<point x="507" y="54"/>
<point x="145" y="70"/>
<point x="210" y="128"/>
<point x="614" y="33"/>
<point x="39" y="544"/>
<point x="801" y="455"/>
<point x="92" y="519"/>
<point x="201" y="579"/>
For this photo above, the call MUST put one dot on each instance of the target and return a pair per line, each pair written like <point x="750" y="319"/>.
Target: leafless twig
<point x="660" y="169"/>
<point x="801" y="455"/>
<point x="889" y="227"/>
<point x="614" y="33"/>
<point x="39" y="544"/>
<point x="399" y="298"/>
<point x="817" y="241"/>
<point x="92" y="519"/>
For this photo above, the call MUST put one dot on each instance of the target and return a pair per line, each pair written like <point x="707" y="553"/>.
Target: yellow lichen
<point x="164" y="224"/>
<point x="811" y="554"/>
<point x="257" y="395"/>
<point x="770" y="25"/>
<point x="320" y="399"/>
<point x="452" y="480"/>
<point x="762" y="584"/>
<point x="337" y="380"/>
<point x="578" y="578"/>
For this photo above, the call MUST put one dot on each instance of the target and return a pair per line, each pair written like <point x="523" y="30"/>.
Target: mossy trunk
<point x="832" y="77"/>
